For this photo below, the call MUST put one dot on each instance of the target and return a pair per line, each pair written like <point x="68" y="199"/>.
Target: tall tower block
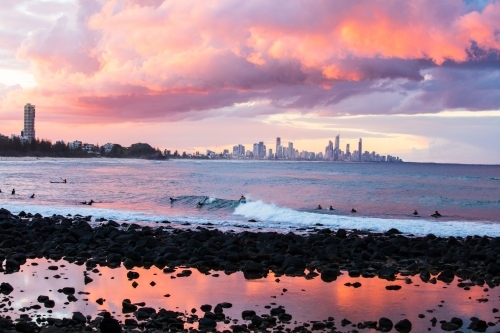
<point x="29" y="121"/>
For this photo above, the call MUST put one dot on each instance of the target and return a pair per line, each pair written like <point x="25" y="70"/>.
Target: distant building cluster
<point x="283" y="151"/>
<point x="332" y="153"/>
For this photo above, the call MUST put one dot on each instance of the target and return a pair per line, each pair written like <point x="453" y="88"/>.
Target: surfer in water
<point x="90" y="202"/>
<point x="319" y="207"/>
<point x="172" y="199"/>
<point x="354" y="210"/>
<point x="32" y="196"/>
<point x="64" y="181"/>
<point x="436" y="214"/>
<point x="331" y="208"/>
<point x="242" y="199"/>
<point x="415" y="212"/>
<point x="13" y="191"/>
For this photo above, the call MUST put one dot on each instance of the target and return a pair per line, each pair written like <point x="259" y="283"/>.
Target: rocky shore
<point x="321" y="253"/>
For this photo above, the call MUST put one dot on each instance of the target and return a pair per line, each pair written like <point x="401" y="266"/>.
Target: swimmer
<point x="331" y="208"/>
<point x="353" y="210"/>
<point x="319" y="207"/>
<point x="32" y="196"/>
<point x="436" y="214"/>
<point x="415" y="212"/>
<point x="13" y="192"/>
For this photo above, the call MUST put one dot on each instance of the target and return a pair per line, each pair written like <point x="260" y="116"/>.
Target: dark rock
<point x="247" y="314"/>
<point x="285" y="317"/>
<point x="24" y="327"/>
<point x="68" y="290"/>
<point x="42" y="298"/>
<point x="385" y="324"/>
<point x="446" y="326"/>
<point x="446" y="276"/>
<point x="403" y="326"/>
<point x="132" y="275"/>
<point x="253" y="267"/>
<point x="206" y="307"/>
<point x="49" y="303"/>
<point x="6" y="288"/>
<point x="79" y="317"/>
<point x="393" y="287"/>
<point x="329" y="274"/>
<point x="207" y="322"/>
<point x="341" y="233"/>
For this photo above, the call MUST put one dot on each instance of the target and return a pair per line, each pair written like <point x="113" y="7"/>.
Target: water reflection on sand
<point x="304" y="299"/>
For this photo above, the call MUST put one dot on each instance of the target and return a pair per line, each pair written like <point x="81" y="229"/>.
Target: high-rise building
<point x="347" y="150"/>
<point x="29" y="121"/>
<point x="336" y="151"/>
<point x="360" y="149"/>
<point x="278" y="143"/>
<point x="290" y="150"/>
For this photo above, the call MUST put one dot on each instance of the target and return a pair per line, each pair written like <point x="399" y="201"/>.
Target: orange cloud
<point x="169" y="52"/>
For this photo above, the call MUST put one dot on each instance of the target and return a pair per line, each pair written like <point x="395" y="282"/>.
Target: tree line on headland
<point x="15" y="147"/>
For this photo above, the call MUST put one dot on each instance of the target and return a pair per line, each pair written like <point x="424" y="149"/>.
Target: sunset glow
<point x="98" y="68"/>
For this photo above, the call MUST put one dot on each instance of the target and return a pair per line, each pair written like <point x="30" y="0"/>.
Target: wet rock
<point x="24" y="327"/>
<point x="132" y="275"/>
<point x="285" y="317"/>
<point x="448" y="326"/>
<point x="6" y="288"/>
<point x="385" y="324"/>
<point x="49" y="303"/>
<point x="446" y="276"/>
<point x="100" y="301"/>
<point x="247" y="314"/>
<point x="425" y="276"/>
<point x="68" y="290"/>
<point x="131" y="322"/>
<point x="318" y="326"/>
<point x="206" y="307"/>
<point x="403" y="326"/>
<point x="79" y="317"/>
<point x="393" y="287"/>
<point x="128" y="307"/>
<point x="329" y="274"/>
<point x="341" y="233"/>
<point x="478" y="325"/>
<point x="207" y="322"/>
<point x="253" y="267"/>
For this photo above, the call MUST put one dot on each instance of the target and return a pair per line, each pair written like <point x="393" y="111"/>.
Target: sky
<point x="418" y="79"/>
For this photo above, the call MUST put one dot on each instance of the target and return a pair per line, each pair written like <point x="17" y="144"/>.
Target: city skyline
<point x="410" y="78"/>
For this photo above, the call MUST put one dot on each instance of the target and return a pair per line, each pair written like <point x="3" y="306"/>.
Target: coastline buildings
<point x="332" y="153"/>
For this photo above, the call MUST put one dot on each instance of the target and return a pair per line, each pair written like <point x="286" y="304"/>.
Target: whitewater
<point x="281" y="196"/>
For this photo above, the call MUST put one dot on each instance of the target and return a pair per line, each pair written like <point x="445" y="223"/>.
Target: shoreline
<point x="321" y="254"/>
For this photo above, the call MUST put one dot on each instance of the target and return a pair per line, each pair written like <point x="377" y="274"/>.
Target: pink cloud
<point x="126" y="60"/>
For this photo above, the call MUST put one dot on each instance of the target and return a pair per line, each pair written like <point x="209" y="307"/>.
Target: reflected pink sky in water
<point x="304" y="299"/>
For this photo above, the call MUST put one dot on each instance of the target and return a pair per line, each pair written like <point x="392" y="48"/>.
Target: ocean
<point x="280" y="195"/>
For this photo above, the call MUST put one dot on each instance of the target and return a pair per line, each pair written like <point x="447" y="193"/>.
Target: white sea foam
<point x="273" y="214"/>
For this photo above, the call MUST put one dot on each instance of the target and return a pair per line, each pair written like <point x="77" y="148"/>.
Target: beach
<point x="73" y="255"/>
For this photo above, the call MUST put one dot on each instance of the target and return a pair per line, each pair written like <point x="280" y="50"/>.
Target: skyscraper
<point x="360" y="149"/>
<point x="278" y="143"/>
<point x="290" y="150"/>
<point x="337" y="148"/>
<point x="29" y="121"/>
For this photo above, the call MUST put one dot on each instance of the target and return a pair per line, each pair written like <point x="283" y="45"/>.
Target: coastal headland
<point x="181" y="250"/>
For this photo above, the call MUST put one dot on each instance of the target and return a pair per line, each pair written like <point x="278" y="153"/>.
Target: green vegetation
<point x="15" y="147"/>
